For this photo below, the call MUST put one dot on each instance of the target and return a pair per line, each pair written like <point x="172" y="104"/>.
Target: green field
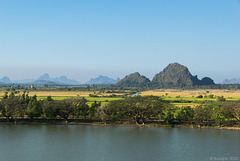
<point x="176" y="97"/>
<point x="189" y="97"/>
<point x="103" y="100"/>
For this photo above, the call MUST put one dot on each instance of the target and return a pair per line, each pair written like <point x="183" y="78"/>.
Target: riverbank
<point x="118" y="124"/>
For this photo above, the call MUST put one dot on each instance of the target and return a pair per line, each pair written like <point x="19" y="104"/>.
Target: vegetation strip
<point x="138" y="110"/>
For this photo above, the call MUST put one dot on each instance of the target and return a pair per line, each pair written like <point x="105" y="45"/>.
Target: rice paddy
<point x="177" y="97"/>
<point x="191" y="97"/>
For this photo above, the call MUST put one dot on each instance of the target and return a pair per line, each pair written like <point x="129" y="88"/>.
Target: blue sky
<point x="84" y="39"/>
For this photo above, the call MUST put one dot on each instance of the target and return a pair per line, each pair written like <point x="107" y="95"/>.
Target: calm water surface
<point x="96" y="143"/>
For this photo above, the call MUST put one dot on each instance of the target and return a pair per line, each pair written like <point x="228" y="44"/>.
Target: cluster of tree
<point x="138" y="109"/>
<point x="218" y="113"/>
<point x="13" y="107"/>
<point x="144" y="109"/>
<point x="109" y="96"/>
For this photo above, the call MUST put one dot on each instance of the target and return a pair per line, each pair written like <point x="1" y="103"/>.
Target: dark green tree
<point x="11" y="95"/>
<point x="185" y="114"/>
<point x="168" y="114"/>
<point x="231" y="110"/>
<point x="12" y="107"/>
<point x="33" y="108"/>
<point x="203" y="114"/>
<point x="138" y="108"/>
<point x="82" y="109"/>
<point x="5" y="95"/>
<point x="101" y="113"/>
<point x="65" y="108"/>
<point x="49" y="110"/>
<point x="217" y="115"/>
<point x="93" y="108"/>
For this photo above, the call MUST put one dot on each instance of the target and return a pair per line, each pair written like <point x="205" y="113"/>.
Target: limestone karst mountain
<point x="177" y="75"/>
<point x="134" y="80"/>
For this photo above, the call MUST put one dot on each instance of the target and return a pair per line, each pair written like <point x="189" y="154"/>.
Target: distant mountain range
<point x="5" y="80"/>
<point x="174" y="75"/>
<point x="102" y="80"/>
<point x="231" y="81"/>
<point x="63" y="80"/>
<point x="42" y="80"/>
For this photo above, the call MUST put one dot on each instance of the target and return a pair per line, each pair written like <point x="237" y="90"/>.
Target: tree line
<point x="137" y="110"/>
<point x="155" y="109"/>
<point x="15" y="107"/>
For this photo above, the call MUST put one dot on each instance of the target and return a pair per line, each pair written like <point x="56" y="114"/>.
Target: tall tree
<point x="12" y="107"/>
<point x="138" y="108"/>
<point x="185" y="114"/>
<point x="33" y="108"/>
<point x="232" y="110"/>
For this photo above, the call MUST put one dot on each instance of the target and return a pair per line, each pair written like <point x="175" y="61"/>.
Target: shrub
<point x="200" y="96"/>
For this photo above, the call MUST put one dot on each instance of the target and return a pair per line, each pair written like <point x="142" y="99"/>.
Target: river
<point x="111" y="143"/>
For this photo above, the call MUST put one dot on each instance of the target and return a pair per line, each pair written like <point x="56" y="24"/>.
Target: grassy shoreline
<point x="119" y="125"/>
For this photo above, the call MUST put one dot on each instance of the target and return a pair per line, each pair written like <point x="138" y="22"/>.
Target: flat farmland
<point x="192" y="94"/>
<point x="61" y="95"/>
<point x="190" y="97"/>
<point x="177" y="97"/>
<point x="55" y="93"/>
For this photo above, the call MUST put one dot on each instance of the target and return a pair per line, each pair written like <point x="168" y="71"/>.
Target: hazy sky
<point x="85" y="38"/>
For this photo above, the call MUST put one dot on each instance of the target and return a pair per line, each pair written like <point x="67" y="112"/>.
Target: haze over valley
<point x="175" y="74"/>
